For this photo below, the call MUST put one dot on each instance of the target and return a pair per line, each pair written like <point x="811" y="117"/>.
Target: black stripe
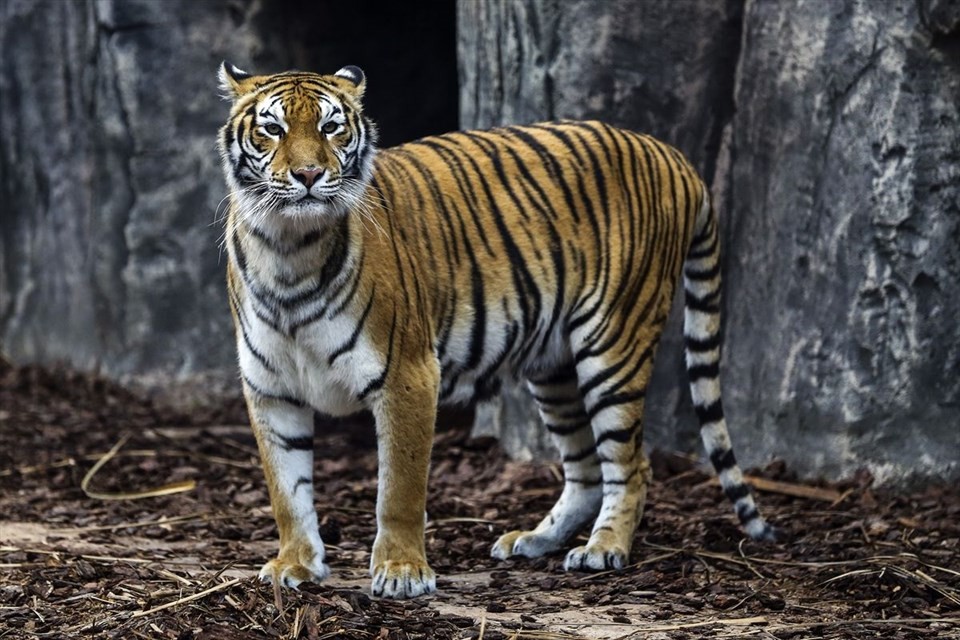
<point x="242" y="324"/>
<point x="580" y="455"/>
<point x="524" y="282"/>
<point x="698" y="345"/>
<point x="713" y="412"/>
<point x="485" y="386"/>
<point x="705" y="252"/>
<point x="310" y="319"/>
<point x="602" y="265"/>
<point x="709" y="303"/>
<point x="746" y="513"/>
<point x="352" y="292"/>
<point x="302" y="481"/>
<point x="288" y="248"/>
<point x="552" y="402"/>
<point x="352" y="342"/>
<point x="622" y="436"/>
<point x="736" y="492"/>
<point x="558" y="376"/>
<point x="296" y="443"/>
<point x="464" y="184"/>
<point x="262" y="359"/>
<point x="377" y="383"/>
<point x="624" y="481"/>
<point x="568" y="429"/>
<point x="638" y="364"/>
<point x="446" y="327"/>
<point x="723" y="459"/>
<point x="273" y="396"/>
<point x="551" y="164"/>
<point x="700" y="371"/>
<point x="607" y="401"/>
<point x="479" y="328"/>
<point x="708" y="274"/>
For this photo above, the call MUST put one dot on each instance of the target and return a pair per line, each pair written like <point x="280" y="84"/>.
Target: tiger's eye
<point x="273" y="129"/>
<point x="329" y="127"/>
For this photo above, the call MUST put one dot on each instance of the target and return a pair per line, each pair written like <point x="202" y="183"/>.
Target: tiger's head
<point x="297" y="145"/>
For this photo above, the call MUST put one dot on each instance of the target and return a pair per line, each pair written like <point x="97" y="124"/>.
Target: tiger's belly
<point x="508" y="351"/>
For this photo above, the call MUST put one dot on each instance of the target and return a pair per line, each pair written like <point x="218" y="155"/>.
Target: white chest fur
<point x="310" y="365"/>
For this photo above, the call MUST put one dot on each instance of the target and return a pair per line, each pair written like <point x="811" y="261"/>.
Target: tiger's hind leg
<point x="613" y="387"/>
<point x="563" y="413"/>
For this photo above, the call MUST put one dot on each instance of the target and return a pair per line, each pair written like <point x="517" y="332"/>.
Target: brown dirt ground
<point x="860" y="562"/>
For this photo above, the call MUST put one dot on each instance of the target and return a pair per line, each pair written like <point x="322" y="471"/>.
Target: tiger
<point x="395" y="281"/>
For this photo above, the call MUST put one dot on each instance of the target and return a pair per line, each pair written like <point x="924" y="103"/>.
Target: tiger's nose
<point x="307" y="175"/>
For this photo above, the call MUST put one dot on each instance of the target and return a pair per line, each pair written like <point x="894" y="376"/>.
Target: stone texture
<point x="830" y="133"/>
<point x="843" y="237"/>
<point x="105" y="138"/>
<point x="109" y="176"/>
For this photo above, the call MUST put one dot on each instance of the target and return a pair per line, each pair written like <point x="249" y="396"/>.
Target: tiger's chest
<point x="310" y="364"/>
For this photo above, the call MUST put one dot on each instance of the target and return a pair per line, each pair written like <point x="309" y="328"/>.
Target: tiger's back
<point x="531" y="242"/>
<point x="548" y="252"/>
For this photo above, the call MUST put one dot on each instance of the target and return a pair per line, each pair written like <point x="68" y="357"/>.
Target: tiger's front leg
<point x="284" y="432"/>
<point x="405" y="412"/>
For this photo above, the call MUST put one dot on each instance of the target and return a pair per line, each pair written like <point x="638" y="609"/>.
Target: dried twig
<point x="167" y="489"/>
<point x="734" y="622"/>
<point x="196" y="596"/>
<point x="790" y="489"/>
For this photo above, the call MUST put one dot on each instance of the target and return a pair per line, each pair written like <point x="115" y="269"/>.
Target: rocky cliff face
<point x="108" y="150"/>
<point x="832" y="139"/>
<point x="111" y="186"/>
<point x="842" y="195"/>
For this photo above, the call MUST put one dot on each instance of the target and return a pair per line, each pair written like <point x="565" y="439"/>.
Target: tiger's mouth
<point x="311" y="205"/>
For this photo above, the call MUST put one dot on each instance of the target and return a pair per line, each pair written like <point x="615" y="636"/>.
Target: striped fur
<point x="424" y="273"/>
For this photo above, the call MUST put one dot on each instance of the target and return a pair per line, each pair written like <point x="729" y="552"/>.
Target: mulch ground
<point x="87" y="550"/>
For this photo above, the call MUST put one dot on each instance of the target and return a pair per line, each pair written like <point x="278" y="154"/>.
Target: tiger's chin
<point x="314" y="210"/>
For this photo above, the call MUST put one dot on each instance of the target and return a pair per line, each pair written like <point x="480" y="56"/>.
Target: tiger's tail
<point x="701" y="330"/>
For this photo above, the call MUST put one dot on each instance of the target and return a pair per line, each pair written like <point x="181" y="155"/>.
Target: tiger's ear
<point x="234" y="82"/>
<point x="356" y="80"/>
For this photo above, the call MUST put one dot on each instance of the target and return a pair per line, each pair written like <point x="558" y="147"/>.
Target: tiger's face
<point x="297" y="145"/>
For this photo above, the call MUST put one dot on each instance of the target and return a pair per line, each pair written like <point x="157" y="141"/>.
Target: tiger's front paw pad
<point x="402" y="579"/>
<point x="291" y="574"/>
<point x="595" y="558"/>
<point x="523" y="543"/>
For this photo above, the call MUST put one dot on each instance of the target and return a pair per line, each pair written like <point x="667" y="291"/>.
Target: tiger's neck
<point x="288" y="269"/>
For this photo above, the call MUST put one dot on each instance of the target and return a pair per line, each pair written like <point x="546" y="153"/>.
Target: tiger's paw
<point x="290" y="573"/>
<point x="595" y="558"/>
<point x="392" y="579"/>
<point x="523" y="543"/>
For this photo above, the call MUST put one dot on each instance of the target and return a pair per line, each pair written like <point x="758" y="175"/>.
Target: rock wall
<point x="831" y="135"/>
<point x="109" y="177"/>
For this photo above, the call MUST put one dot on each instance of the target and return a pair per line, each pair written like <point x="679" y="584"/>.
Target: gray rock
<point x="843" y="237"/>
<point x="111" y="184"/>
<point x="830" y="133"/>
